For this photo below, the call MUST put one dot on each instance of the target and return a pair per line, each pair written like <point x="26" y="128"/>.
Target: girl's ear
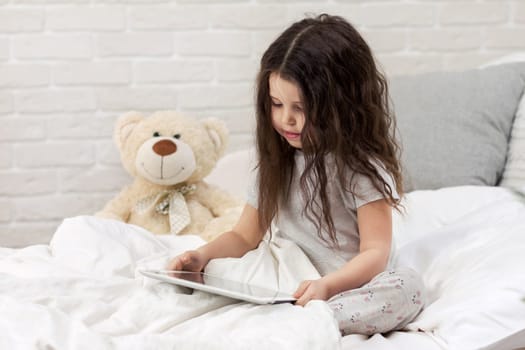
<point x="218" y="134"/>
<point x="124" y="126"/>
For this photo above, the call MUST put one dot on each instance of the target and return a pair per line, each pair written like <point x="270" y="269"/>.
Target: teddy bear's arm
<point x="118" y="208"/>
<point x="215" y="199"/>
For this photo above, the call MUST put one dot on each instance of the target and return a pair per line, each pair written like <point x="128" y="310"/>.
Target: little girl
<point x="328" y="176"/>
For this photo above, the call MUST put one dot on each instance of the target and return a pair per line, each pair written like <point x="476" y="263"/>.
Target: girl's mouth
<point x="291" y="135"/>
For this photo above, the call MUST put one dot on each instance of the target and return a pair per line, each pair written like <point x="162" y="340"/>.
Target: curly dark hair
<point x="347" y="115"/>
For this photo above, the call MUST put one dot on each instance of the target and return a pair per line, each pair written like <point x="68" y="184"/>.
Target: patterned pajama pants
<point x="390" y="301"/>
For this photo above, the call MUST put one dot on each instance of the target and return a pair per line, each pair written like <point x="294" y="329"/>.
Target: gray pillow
<point x="454" y="127"/>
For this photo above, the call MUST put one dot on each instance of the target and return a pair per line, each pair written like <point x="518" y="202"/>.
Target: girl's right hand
<point x="191" y="260"/>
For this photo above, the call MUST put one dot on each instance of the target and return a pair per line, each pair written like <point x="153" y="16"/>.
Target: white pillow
<point x="233" y="171"/>
<point x="430" y="210"/>
<point x="514" y="171"/>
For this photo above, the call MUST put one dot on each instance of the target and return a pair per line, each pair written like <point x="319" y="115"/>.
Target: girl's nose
<point x="288" y="117"/>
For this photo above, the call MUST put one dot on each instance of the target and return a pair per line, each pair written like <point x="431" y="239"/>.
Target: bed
<point x="463" y="229"/>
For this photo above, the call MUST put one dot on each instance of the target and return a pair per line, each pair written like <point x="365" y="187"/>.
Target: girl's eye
<point x="298" y="109"/>
<point x="156" y="134"/>
<point x="177" y="136"/>
<point x="276" y="104"/>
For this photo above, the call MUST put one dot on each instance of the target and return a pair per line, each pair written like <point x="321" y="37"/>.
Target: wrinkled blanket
<point x="84" y="291"/>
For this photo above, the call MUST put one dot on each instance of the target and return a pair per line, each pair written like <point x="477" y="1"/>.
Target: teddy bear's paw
<point x="222" y="223"/>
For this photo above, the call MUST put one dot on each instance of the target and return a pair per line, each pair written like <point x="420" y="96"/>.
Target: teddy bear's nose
<point x="164" y="147"/>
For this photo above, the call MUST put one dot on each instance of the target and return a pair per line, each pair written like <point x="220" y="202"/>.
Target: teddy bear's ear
<point x="218" y="134"/>
<point x="125" y="125"/>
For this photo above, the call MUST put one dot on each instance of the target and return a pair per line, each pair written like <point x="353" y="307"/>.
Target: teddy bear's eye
<point x="156" y="134"/>
<point x="177" y="136"/>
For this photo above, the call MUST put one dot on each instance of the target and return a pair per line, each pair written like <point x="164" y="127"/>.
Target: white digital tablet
<point x="221" y="286"/>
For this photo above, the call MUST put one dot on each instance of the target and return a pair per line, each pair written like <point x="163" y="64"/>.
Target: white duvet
<point x="83" y="289"/>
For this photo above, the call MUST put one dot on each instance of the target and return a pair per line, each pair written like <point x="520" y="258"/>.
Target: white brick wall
<point x="69" y="68"/>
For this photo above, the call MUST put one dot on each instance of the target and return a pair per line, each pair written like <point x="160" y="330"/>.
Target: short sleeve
<point x="364" y="191"/>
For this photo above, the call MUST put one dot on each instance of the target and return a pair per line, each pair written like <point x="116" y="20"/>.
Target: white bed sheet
<point x="83" y="290"/>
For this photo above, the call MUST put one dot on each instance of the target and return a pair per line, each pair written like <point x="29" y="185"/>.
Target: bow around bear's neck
<point x="165" y="200"/>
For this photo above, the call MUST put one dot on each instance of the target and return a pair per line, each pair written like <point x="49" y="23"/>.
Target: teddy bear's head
<point x="167" y="147"/>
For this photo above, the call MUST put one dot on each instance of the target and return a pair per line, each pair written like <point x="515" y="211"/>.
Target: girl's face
<point x="287" y="109"/>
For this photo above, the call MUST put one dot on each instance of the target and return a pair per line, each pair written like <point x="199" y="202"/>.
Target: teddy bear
<point x="169" y="154"/>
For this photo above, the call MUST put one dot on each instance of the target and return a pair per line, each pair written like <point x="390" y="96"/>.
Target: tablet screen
<point x="222" y="286"/>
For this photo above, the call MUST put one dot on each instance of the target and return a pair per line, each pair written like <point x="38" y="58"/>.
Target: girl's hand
<point x="311" y="290"/>
<point x="192" y="260"/>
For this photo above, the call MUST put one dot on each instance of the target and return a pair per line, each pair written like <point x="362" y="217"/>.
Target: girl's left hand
<point x="311" y="290"/>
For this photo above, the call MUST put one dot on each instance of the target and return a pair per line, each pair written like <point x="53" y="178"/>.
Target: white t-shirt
<point x="292" y="224"/>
